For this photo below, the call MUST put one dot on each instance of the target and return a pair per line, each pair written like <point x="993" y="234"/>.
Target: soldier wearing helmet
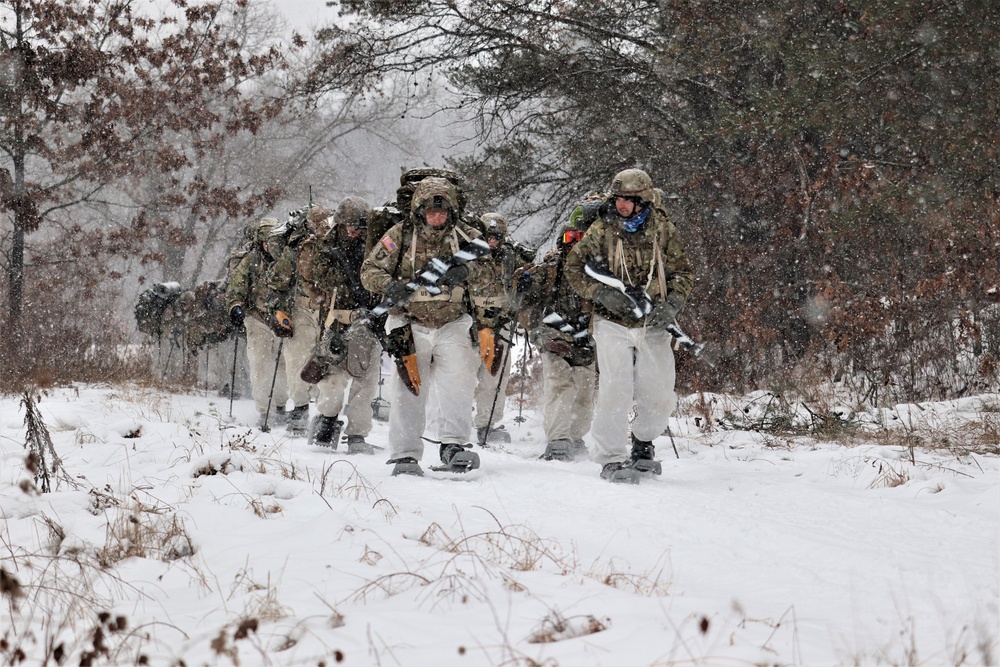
<point x="329" y="270"/>
<point x="495" y="324"/>
<point x="248" y="300"/>
<point x="437" y="323"/>
<point x="634" y="241"/>
<point x="567" y="349"/>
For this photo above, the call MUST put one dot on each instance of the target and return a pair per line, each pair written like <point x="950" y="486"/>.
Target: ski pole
<point x="232" y="380"/>
<point x="674" y="444"/>
<point x="277" y="360"/>
<point x="524" y="362"/>
<point x="496" y="394"/>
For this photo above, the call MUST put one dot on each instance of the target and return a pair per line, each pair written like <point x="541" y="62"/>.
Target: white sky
<point x="304" y="15"/>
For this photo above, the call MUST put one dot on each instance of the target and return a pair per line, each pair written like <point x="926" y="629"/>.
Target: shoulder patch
<point x="380" y="254"/>
<point x="388" y="243"/>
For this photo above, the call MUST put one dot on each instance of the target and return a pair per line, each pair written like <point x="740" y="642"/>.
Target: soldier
<point x="495" y="323"/>
<point x="296" y="306"/>
<point x="433" y="326"/>
<point x="331" y="266"/>
<point x="567" y="349"/>
<point x="248" y="304"/>
<point x="633" y="241"/>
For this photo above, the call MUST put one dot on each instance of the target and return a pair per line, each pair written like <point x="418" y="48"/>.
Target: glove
<point x="396" y="292"/>
<point x="525" y="281"/>
<point x="281" y="325"/>
<point x="664" y="313"/>
<point x="236" y="316"/>
<point x="616" y="303"/>
<point x="454" y="276"/>
<point x="558" y="346"/>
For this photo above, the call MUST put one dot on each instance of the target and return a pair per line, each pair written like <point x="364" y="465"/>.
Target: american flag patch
<point x="388" y="243"/>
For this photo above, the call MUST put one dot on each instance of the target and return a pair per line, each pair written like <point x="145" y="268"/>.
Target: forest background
<point x="832" y="167"/>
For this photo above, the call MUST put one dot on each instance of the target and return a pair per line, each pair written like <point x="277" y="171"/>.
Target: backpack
<point x="390" y="214"/>
<point x="206" y="318"/>
<point x="151" y="306"/>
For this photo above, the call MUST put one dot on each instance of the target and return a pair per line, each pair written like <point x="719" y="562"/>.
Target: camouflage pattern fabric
<point x="632" y="257"/>
<point x="550" y="290"/>
<point x="409" y="247"/>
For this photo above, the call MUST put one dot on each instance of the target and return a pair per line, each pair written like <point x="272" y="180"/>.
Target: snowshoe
<point x="298" y="421"/>
<point x="558" y="450"/>
<point x="325" y="431"/>
<point x="486" y="436"/>
<point x="642" y="457"/>
<point x="498" y="434"/>
<point x="356" y="444"/>
<point x="455" y="458"/>
<point x="620" y="473"/>
<point x="406" y="465"/>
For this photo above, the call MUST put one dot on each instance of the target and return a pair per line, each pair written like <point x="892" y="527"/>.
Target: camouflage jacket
<point x="247" y="286"/>
<point x="549" y="291"/>
<point x="496" y="299"/>
<point x="652" y="257"/>
<point x="405" y="249"/>
<point x="282" y="276"/>
<point x="329" y="270"/>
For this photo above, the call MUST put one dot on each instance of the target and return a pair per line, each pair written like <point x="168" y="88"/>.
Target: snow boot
<point x="620" y="473"/>
<point x="456" y="459"/>
<point x="498" y="434"/>
<point x="643" y="453"/>
<point x="558" y="450"/>
<point x="298" y="421"/>
<point x="325" y="431"/>
<point x="406" y="465"/>
<point x="280" y="417"/>
<point x="356" y="444"/>
<point x="277" y="418"/>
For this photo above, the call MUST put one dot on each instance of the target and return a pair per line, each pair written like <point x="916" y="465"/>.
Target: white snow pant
<point x="262" y="351"/>
<point x="330" y="400"/>
<point x="447" y="361"/>
<point x="298" y="350"/>
<point x="486" y="391"/>
<point x="637" y="369"/>
<point x="569" y="398"/>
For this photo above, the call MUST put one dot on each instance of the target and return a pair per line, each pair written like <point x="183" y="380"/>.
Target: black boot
<point x="325" y="431"/>
<point x="642" y="450"/>
<point x="643" y="455"/>
<point x="456" y="459"/>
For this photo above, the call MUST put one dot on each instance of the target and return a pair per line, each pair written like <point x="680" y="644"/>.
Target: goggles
<point x="572" y="236"/>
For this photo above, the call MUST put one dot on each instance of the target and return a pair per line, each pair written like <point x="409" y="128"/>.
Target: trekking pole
<point x="267" y="413"/>
<point x="496" y="394"/>
<point x="674" y="444"/>
<point x="232" y="380"/>
<point x="524" y="362"/>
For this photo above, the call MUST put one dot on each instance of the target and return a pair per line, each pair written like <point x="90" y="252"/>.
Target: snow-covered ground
<point x="209" y="542"/>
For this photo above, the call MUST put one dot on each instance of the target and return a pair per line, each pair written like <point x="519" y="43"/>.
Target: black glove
<point x="396" y="292"/>
<point x="454" y="276"/>
<point x="525" y="281"/>
<point x="236" y="316"/>
<point x="664" y="313"/>
<point x="614" y="302"/>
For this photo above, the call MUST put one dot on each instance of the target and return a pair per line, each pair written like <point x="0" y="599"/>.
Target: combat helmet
<point x="434" y="192"/>
<point x="494" y="224"/>
<point x="352" y="212"/>
<point x="633" y="184"/>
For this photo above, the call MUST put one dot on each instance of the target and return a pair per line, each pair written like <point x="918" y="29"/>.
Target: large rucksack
<point x="204" y="315"/>
<point x="390" y="214"/>
<point x="151" y="306"/>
